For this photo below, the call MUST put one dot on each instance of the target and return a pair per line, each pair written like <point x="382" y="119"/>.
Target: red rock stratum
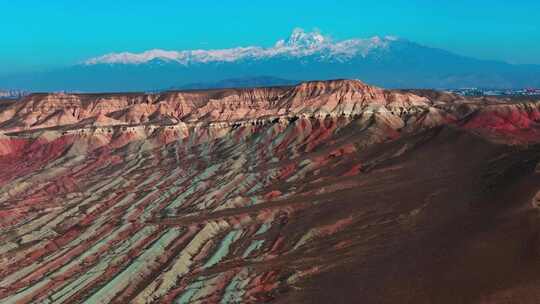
<point x="325" y="192"/>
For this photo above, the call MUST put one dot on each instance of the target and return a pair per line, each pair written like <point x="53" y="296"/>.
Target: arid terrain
<point x="324" y="192"/>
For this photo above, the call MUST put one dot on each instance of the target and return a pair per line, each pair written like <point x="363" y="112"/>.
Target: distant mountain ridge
<point x="388" y="61"/>
<point x="299" y="44"/>
<point x="247" y="82"/>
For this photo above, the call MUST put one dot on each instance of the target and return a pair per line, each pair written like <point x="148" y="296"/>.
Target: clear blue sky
<point x="37" y="34"/>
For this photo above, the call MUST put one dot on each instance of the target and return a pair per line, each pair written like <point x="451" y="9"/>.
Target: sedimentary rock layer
<point x="258" y="195"/>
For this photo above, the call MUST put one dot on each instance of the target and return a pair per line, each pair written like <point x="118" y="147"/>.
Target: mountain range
<point x="245" y="82"/>
<point x="385" y="61"/>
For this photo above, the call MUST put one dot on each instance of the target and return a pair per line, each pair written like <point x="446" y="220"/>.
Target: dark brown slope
<point x="449" y="221"/>
<point x="324" y="192"/>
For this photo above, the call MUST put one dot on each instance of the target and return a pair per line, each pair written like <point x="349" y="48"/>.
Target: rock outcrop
<point x="259" y="195"/>
<point x="337" y="97"/>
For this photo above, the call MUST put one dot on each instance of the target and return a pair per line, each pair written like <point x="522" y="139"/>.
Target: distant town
<point x="16" y="94"/>
<point x="495" y="92"/>
<point x="12" y="94"/>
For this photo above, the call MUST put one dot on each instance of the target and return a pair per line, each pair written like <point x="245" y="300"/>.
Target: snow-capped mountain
<point x="299" y="44"/>
<point x="384" y="61"/>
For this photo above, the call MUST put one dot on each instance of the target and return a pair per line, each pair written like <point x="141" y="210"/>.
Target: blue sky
<point x="39" y="34"/>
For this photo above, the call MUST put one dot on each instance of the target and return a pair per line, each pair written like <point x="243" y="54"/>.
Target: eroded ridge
<point x="237" y="196"/>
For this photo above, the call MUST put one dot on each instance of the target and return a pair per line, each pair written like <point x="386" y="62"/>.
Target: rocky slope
<point x="325" y="191"/>
<point x="313" y="98"/>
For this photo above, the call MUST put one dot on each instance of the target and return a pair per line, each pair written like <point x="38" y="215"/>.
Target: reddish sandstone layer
<point x="263" y="195"/>
<point x="338" y="97"/>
